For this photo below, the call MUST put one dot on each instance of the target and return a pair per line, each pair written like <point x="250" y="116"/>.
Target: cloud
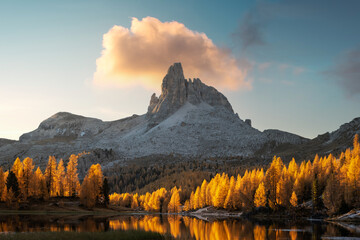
<point x="140" y="56"/>
<point x="347" y="72"/>
<point x="250" y="31"/>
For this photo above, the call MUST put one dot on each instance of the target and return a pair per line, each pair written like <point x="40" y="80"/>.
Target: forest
<point x="22" y="184"/>
<point x="330" y="182"/>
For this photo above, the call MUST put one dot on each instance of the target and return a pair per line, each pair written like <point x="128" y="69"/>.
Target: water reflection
<point x="176" y="226"/>
<point x="193" y="228"/>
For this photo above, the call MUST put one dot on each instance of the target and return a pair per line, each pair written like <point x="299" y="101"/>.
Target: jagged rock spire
<point x="176" y="91"/>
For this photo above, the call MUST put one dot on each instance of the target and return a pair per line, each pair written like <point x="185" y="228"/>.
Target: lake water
<point x="180" y="227"/>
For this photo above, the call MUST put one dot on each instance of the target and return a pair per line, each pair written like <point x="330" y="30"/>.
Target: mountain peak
<point x="176" y="70"/>
<point x="176" y="91"/>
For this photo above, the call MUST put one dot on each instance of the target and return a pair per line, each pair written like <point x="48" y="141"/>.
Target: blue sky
<point x="304" y="59"/>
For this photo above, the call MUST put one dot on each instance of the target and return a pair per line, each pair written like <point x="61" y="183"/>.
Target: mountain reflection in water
<point x="179" y="227"/>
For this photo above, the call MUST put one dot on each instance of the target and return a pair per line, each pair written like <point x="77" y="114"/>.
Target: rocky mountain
<point x="189" y="119"/>
<point x="330" y="142"/>
<point x="4" y="141"/>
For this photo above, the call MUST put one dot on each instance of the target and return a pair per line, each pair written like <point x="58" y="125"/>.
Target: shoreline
<point x="73" y="208"/>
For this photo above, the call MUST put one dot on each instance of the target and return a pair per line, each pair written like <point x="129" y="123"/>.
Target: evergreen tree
<point x="105" y="191"/>
<point x="12" y="184"/>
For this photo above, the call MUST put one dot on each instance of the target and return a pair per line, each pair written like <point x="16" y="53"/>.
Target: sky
<point x="289" y="65"/>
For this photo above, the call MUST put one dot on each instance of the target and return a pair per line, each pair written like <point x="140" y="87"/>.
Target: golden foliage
<point x="260" y="196"/>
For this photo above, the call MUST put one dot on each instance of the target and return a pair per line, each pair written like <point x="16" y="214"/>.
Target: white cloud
<point x="140" y="56"/>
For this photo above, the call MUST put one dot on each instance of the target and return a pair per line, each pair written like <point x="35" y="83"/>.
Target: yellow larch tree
<point x="72" y="181"/>
<point x="60" y="179"/>
<point x="4" y="191"/>
<point x="293" y="199"/>
<point x="135" y="201"/>
<point x="272" y="177"/>
<point x="174" y="204"/>
<point x="332" y="196"/>
<point x="191" y="201"/>
<point x="213" y="185"/>
<point x="237" y="200"/>
<point x="353" y="176"/>
<point x="27" y="177"/>
<point x="229" y="200"/>
<point x="260" y="196"/>
<point x="356" y="145"/>
<point x="283" y="188"/>
<point x="202" y="201"/>
<point x="197" y="196"/>
<point x="38" y="184"/>
<point x="2" y="182"/>
<point x="90" y="192"/>
<point x="293" y="170"/>
<point x="221" y="191"/>
<point x="50" y="173"/>
<point x="87" y="196"/>
<point x="187" y="206"/>
<point x="17" y="168"/>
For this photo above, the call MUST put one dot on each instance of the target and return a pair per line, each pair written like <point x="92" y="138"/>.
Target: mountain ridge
<point x="189" y="119"/>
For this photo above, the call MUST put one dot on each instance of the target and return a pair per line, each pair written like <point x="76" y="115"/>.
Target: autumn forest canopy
<point x="329" y="182"/>
<point x="21" y="183"/>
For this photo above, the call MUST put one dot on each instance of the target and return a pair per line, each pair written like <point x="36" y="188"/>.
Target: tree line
<point x="21" y="183"/>
<point x="329" y="182"/>
<point x="147" y="174"/>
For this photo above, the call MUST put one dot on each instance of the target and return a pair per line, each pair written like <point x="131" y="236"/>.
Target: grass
<point x="124" y="235"/>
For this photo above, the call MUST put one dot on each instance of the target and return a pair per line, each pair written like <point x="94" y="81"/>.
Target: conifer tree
<point x="229" y="200"/>
<point x="187" y="206"/>
<point x="72" y="180"/>
<point x="197" y="196"/>
<point x="332" y="196"/>
<point x="37" y="184"/>
<point x="272" y="177"/>
<point x="202" y="202"/>
<point x="260" y="196"/>
<point x="12" y="184"/>
<point x="2" y="182"/>
<point x="134" y="202"/>
<point x="315" y="193"/>
<point x="106" y="190"/>
<point x="27" y="177"/>
<point x="17" y="168"/>
<point x="221" y="192"/>
<point x="50" y="173"/>
<point x="174" y="204"/>
<point x="60" y="179"/>
<point x="293" y="199"/>
<point x="91" y="187"/>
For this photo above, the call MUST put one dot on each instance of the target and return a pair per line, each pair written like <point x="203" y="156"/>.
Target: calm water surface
<point x="180" y="227"/>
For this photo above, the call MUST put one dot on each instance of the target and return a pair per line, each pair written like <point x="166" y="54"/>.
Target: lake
<point x="179" y="227"/>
